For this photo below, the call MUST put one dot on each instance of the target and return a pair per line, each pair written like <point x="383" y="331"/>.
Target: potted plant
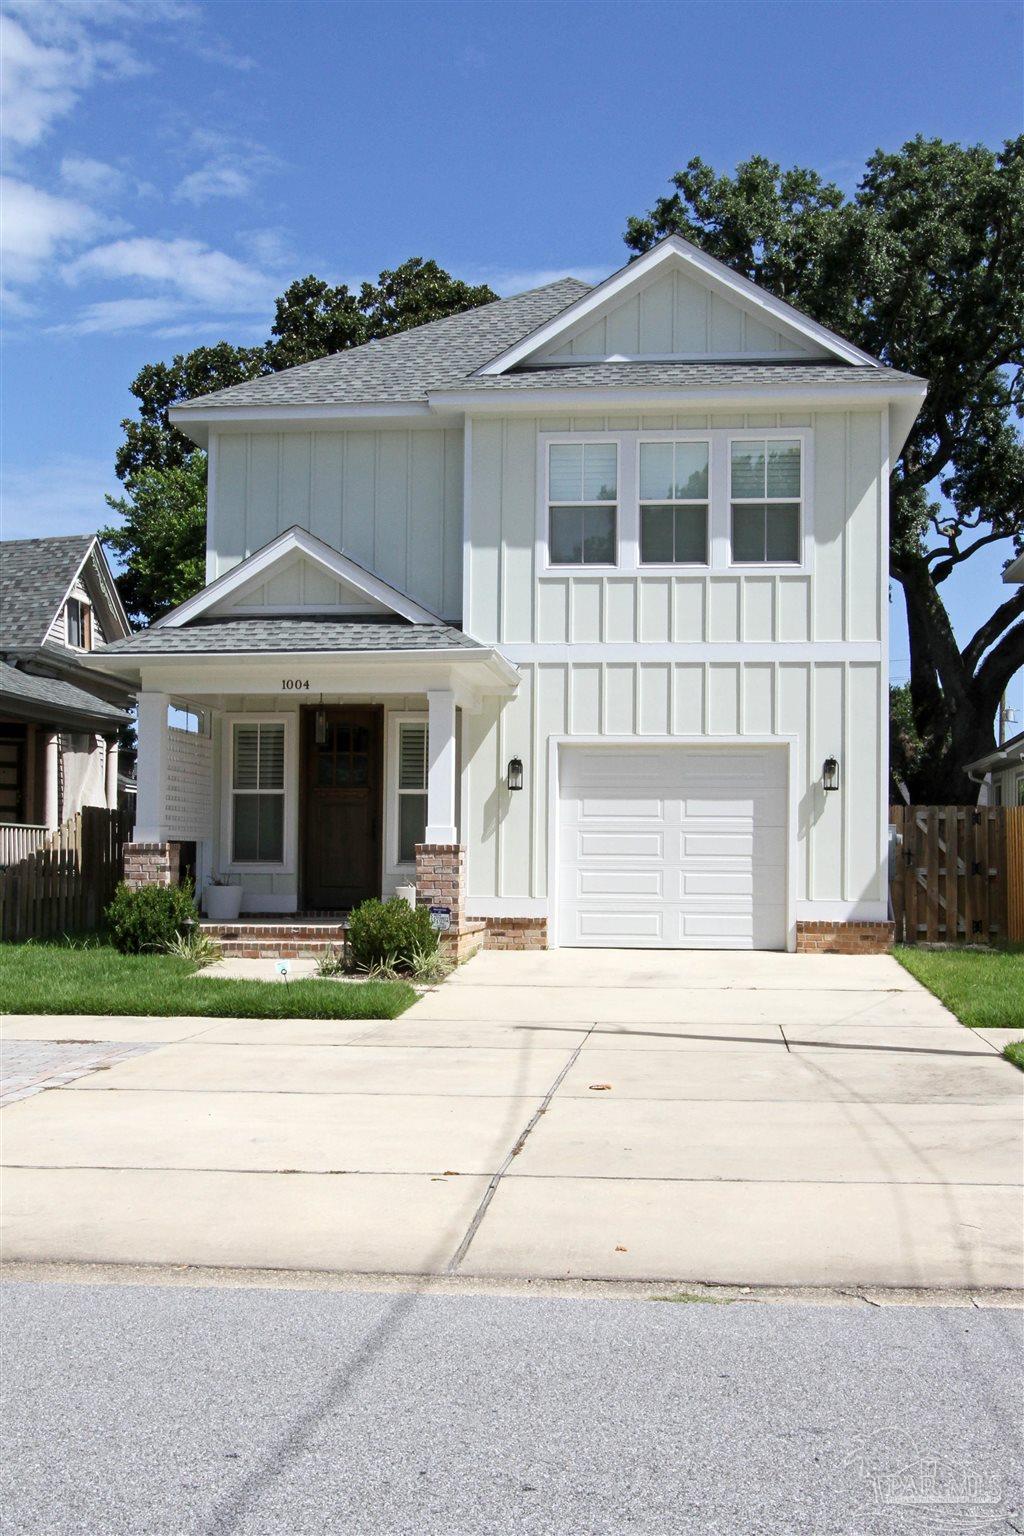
<point x="222" y="900"/>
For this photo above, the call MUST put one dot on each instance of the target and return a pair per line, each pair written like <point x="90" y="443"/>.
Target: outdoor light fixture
<point x="320" y="725"/>
<point x="830" y="774"/>
<point x="515" y="773"/>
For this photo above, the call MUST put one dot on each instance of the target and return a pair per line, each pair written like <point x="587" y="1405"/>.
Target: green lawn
<point x="1015" y="1052"/>
<point x="58" y="978"/>
<point x="984" y="988"/>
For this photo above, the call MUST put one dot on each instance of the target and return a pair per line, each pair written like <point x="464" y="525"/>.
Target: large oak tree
<point x="923" y="267"/>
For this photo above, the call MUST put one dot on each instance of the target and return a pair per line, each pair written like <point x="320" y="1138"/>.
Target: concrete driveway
<point x="759" y="1119"/>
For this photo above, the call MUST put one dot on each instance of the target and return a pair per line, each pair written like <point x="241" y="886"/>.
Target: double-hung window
<point x="583" y="496"/>
<point x="257" y="792"/>
<point x="412" y="788"/>
<point x="673" y="503"/>
<point x="79" y="624"/>
<point x="765" y="500"/>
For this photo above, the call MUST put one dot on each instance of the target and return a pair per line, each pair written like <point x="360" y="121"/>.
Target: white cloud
<point x="37" y="226"/>
<point x="108" y="316"/>
<point x="92" y="178"/>
<point x="185" y="268"/>
<point x="214" y="181"/>
<point x="45" y="71"/>
<point x="64" y="495"/>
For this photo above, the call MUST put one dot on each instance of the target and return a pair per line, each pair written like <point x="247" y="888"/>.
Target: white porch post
<point x="151" y="772"/>
<point x="441" y="826"/>
<point x="110" y="773"/>
<point x="51" y="803"/>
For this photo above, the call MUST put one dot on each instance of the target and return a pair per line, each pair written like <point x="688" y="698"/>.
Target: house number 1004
<point x="288" y="683"/>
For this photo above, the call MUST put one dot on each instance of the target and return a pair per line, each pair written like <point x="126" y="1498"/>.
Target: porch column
<point x="441" y="826"/>
<point x="110" y="772"/>
<point x="151" y="769"/>
<point x="51" y="782"/>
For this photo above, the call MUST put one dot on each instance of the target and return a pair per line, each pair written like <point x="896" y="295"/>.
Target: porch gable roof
<point x="290" y="636"/>
<point x="369" y="588"/>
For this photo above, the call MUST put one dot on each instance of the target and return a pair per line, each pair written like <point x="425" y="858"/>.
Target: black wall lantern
<point x="830" y="774"/>
<point x="515" y="773"/>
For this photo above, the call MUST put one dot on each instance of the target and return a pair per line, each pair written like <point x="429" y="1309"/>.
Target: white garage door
<point x="672" y="847"/>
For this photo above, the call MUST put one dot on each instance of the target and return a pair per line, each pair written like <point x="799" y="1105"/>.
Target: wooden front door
<point x="342" y="808"/>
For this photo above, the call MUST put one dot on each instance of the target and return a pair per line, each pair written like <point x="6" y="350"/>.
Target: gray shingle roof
<point x="54" y="693"/>
<point x="703" y="375"/>
<point x="405" y="367"/>
<point x="34" y="576"/>
<point x="240" y="636"/>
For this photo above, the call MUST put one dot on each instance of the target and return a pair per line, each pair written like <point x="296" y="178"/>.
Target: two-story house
<point x="572" y="609"/>
<point x="59" y="720"/>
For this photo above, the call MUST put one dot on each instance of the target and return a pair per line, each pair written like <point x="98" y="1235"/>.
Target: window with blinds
<point x="765" y="493"/>
<point x="674" y="503"/>
<point x="583" y="494"/>
<point x="257" y="785"/>
<point x="412" y="788"/>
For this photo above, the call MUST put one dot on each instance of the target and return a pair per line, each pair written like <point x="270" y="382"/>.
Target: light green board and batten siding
<point x="391" y="500"/>
<point x="675" y="316"/>
<point x="838" y="598"/>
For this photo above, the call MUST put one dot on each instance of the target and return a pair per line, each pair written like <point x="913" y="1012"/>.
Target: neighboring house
<point x="1001" y="773"/>
<point x="583" y="593"/>
<point x="59" y="722"/>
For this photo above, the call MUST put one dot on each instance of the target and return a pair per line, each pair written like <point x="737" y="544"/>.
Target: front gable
<point x="676" y="303"/>
<point x="298" y="573"/>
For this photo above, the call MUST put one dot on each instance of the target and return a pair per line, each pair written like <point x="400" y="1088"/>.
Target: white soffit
<point x="696" y="264"/>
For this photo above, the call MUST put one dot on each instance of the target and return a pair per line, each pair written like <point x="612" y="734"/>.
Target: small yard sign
<point x="441" y="918"/>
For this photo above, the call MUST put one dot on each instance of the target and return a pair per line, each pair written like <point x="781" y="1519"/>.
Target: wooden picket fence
<point x="958" y="877"/>
<point x="64" y="885"/>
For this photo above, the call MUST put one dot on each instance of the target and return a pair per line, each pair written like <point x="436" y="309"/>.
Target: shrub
<point x="391" y="933"/>
<point x="149" y="918"/>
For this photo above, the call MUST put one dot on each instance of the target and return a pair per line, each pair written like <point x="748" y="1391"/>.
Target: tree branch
<point x="951" y="561"/>
<point x="1000" y="665"/>
<point x="992" y="628"/>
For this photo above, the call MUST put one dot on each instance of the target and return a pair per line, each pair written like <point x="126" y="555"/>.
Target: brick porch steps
<point x="281" y="939"/>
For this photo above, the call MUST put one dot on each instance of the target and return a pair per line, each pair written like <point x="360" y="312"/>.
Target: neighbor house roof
<point x="258" y="635"/>
<point x="40" y="697"/>
<point x="405" y="367"/>
<point x="1006" y="756"/>
<point x="35" y="575"/>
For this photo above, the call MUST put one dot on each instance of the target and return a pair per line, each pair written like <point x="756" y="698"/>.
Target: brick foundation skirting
<point x="843" y="938"/>
<point x="516" y="933"/>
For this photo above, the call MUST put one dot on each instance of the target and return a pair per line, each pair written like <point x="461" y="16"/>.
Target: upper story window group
<point x="713" y="499"/>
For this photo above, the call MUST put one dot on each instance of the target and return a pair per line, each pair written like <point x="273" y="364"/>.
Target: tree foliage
<point x="162" y="539"/>
<point x="924" y="268"/>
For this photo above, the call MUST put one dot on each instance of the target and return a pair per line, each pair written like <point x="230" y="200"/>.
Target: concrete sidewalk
<point x="742" y="1118"/>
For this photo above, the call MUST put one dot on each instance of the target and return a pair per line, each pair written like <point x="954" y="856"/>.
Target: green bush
<point x="390" y="933"/>
<point x="149" y="918"/>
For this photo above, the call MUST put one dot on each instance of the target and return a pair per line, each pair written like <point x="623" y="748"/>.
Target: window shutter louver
<point x="412" y="757"/>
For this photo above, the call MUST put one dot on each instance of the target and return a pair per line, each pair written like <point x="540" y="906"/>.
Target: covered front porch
<point x="309" y="782"/>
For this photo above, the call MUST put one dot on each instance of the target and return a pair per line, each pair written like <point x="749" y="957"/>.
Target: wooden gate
<point x="958" y="877"/>
<point x="64" y="885"/>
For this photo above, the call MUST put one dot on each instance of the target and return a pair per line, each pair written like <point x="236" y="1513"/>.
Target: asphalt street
<point x="131" y="1409"/>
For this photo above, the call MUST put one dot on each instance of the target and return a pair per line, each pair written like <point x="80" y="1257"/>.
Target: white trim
<point x="787" y="743"/>
<point x="211" y="509"/>
<point x="692" y="650"/>
<point x="736" y="397"/>
<point x="280" y="548"/>
<point x="287" y="866"/>
<point x="506" y="906"/>
<point x="395" y="720"/>
<point x="442" y="731"/>
<point x="715" y="274"/>
<point x="843" y="911"/>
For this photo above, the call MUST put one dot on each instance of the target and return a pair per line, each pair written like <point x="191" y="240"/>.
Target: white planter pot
<point x="223" y="903"/>
<point x="406" y="893"/>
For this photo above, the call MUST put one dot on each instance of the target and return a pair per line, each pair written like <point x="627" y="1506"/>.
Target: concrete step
<point x="250" y="939"/>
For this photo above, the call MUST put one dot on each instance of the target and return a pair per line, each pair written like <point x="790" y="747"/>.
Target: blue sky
<point x="173" y="164"/>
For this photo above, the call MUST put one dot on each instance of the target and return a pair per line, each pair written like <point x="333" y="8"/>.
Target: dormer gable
<point x="676" y="303"/>
<point x="298" y="573"/>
